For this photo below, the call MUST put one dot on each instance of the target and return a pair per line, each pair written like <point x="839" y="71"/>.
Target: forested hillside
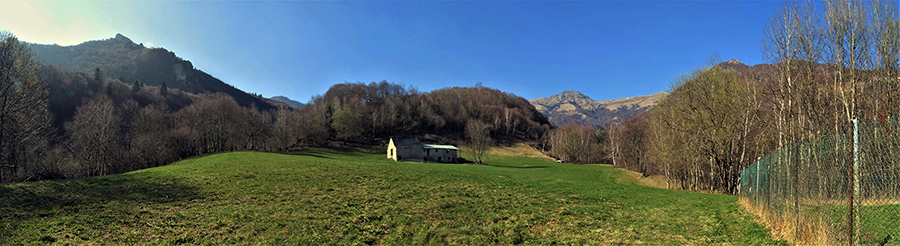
<point x="356" y="112"/>
<point x="120" y="58"/>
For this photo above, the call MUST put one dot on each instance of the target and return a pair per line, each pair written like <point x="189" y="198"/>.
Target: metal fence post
<point x="757" y="193"/>
<point x="854" y="198"/>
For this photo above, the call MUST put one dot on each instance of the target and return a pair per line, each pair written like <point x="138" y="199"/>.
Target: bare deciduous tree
<point x="94" y="136"/>
<point x="215" y="120"/>
<point x="286" y="129"/>
<point x="847" y="42"/>
<point x="580" y="144"/>
<point x="478" y="134"/>
<point x="701" y="125"/>
<point x="24" y="116"/>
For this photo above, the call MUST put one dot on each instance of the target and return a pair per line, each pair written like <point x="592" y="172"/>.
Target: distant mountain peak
<point x="121" y="37"/>
<point x="572" y="93"/>
<point x="575" y="107"/>
<point x="572" y="96"/>
<point x="289" y="102"/>
<point x="732" y="64"/>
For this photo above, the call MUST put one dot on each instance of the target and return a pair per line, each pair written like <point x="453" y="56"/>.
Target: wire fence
<point x="827" y="192"/>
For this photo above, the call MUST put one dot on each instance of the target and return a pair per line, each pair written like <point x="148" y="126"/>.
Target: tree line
<point x="65" y="124"/>
<point x="574" y="143"/>
<point x="366" y="112"/>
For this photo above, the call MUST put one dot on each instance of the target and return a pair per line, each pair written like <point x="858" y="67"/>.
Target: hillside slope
<point x="120" y="58"/>
<point x="382" y="110"/>
<point x="289" y="102"/>
<point x="322" y="196"/>
<point x="575" y="107"/>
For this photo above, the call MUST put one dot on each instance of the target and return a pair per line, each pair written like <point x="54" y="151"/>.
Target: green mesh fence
<point x="814" y="192"/>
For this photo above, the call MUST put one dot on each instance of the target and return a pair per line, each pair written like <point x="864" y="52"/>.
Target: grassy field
<point x="323" y="196"/>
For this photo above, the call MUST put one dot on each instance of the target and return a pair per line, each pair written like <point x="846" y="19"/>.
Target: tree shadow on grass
<point x="518" y="167"/>
<point x="315" y="154"/>
<point x="326" y="152"/>
<point x="23" y="202"/>
<point x="461" y="160"/>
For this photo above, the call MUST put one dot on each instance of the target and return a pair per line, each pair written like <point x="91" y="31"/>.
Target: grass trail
<point x="323" y="196"/>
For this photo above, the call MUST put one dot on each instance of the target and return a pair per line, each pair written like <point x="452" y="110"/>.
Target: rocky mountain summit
<point x="576" y="107"/>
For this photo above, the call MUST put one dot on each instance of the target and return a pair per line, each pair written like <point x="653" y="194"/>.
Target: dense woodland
<point x="64" y="124"/>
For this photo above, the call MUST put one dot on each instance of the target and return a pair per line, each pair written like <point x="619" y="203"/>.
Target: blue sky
<point x="605" y="49"/>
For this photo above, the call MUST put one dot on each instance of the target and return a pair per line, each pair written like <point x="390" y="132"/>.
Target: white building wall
<point x="441" y="155"/>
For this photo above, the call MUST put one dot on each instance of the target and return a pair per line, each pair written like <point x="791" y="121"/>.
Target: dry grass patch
<point x="658" y="181"/>
<point x="519" y="149"/>
<point x="793" y="229"/>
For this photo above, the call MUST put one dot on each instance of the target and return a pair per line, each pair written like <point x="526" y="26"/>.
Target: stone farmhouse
<point x="400" y="149"/>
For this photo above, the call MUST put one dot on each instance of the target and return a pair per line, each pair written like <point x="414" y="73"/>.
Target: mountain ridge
<point x="120" y="58"/>
<point x="289" y="102"/>
<point x="576" y="107"/>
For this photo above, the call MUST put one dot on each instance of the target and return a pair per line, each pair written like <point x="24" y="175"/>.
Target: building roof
<point x="435" y="146"/>
<point x="406" y="142"/>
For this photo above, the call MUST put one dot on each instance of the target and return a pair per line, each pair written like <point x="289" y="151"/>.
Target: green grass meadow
<point x="350" y="197"/>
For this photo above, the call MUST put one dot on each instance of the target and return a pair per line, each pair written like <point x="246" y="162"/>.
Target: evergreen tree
<point x="98" y="76"/>
<point x="108" y="89"/>
<point x="163" y="90"/>
<point x="136" y="87"/>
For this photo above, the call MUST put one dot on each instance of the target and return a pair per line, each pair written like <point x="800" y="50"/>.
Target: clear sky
<point x="605" y="49"/>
